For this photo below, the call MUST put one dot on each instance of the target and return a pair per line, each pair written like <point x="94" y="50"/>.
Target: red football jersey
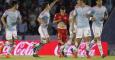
<point x="64" y="18"/>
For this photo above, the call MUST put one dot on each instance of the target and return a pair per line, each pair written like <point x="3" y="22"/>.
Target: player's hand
<point x="93" y="18"/>
<point x="105" y="18"/>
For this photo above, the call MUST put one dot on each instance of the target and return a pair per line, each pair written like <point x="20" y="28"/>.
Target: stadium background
<point x="30" y="9"/>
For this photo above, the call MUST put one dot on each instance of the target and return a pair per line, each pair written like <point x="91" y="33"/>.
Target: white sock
<point x="100" y="47"/>
<point x="87" y="46"/>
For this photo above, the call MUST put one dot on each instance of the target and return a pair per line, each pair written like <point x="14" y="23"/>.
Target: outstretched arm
<point x="53" y="3"/>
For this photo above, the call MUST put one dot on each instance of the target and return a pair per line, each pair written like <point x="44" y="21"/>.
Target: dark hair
<point x="84" y="1"/>
<point x="62" y="8"/>
<point x="13" y="3"/>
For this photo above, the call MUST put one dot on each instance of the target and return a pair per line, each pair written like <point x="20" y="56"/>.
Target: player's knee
<point x="97" y="39"/>
<point x="78" y="40"/>
<point x="45" y="40"/>
<point x="87" y="39"/>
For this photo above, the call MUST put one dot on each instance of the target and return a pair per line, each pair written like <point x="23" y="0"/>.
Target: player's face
<point x="62" y="11"/>
<point x="79" y="2"/>
<point x="99" y="2"/>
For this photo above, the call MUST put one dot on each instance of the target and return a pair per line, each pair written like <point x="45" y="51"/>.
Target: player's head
<point x="80" y="2"/>
<point x="99" y="2"/>
<point x="62" y="10"/>
<point x="14" y="4"/>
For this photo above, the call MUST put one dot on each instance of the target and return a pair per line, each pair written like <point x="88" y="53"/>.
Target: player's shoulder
<point x="42" y="13"/>
<point x="17" y="11"/>
<point x="7" y="10"/>
<point x="103" y="7"/>
<point x="77" y="6"/>
<point x="87" y="6"/>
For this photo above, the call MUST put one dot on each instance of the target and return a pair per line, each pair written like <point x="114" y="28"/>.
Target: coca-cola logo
<point x="24" y="48"/>
<point x="81" y="50"/>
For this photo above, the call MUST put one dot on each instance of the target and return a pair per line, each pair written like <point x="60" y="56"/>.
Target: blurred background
<point x="30" y="10"/>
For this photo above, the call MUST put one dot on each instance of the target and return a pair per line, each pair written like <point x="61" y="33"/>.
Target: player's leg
<point x="87" y="38"/>
<point x="77" y="41"/>
<point x="61" y="48"/>
<point x="71" y="38"/>
<point x="97" y="33"/>
<point x="44" y="39"/>
<point x="15" y="35"/>
<point x="69" y="42"/>
<point x="9" y="43"/>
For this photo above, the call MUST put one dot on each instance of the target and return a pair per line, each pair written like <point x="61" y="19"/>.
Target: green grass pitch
<point x="54" y="58"/>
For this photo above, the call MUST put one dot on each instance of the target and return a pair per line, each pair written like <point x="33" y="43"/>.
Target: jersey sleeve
<point x="41" y="15"/>
<point x="5" y="13"/>
<point x="106" y="13"/>
<point x="19" y="15"/>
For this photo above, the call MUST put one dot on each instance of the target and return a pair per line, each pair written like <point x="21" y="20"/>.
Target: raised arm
<point x="53" y="3"/>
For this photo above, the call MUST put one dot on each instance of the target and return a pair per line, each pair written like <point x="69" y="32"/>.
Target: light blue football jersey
<point x="82" y="19"/>
<point x="99" y="13"/>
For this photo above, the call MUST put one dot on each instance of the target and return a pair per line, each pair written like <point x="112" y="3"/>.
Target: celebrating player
<point x="83" y="28"/>
<point x="43" y="19"/>
<point x="99" y="15"/>
<point x="72" y="31"/>
<point x="61" y="19"/>
<point x="9" y="19"/>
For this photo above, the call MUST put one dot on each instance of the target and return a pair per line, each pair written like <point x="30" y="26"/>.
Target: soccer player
<point x="72" y="32"/>
<point x="61" y="19"/>
<point x="10" y="19"/>
<point x="99" y="15"/>
<point x="43" y="19"/>
<point x="72" y="23"/>
<point x="83" y="28"/>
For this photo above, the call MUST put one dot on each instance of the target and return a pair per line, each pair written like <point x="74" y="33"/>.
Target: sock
<point x="61" y="48"/>
<point x="100" y="47"/>
<point x="91" y="43"/>
<point x="87" y="46"/>
<point x="67" y="45"/>
<point x="74" y="48"/>
<point x="10" y="47"/>
<point x="37" y="47"/>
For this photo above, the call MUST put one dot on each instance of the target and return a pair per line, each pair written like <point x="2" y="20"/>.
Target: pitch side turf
<point x="53" y="58"/>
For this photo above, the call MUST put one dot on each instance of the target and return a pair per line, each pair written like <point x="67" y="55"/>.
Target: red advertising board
<point x="26" y="48"/>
